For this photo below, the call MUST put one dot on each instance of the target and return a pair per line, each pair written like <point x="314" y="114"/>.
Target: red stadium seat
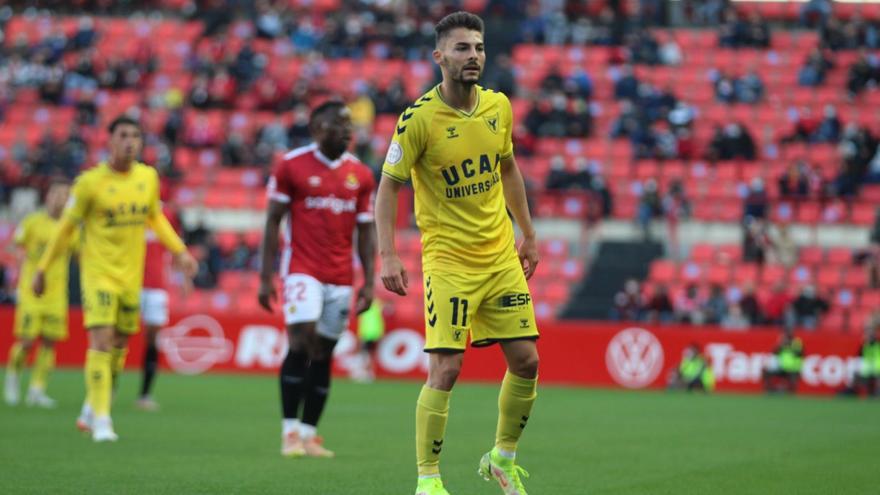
<point x="664" y="271"/>
<point x="839" y="256"/>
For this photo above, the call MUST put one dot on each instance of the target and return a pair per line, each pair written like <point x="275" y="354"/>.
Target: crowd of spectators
<point x="732" y="308"/>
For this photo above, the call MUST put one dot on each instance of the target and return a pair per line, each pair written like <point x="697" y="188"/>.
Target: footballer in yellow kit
<point x="472" y="275"/>
<point x="112" y="203"/>
<point x="455" y="144"/>
<point x="39" y="318"/>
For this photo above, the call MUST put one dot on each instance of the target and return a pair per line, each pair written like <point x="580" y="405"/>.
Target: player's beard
<point x="468" y="80"/>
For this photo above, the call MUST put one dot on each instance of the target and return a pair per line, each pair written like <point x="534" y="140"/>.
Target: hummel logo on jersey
<point x="524" y="323"/>
<point x="451" y="132"/>
<point x="457" y="335"/>
<point x="314" y="181"/>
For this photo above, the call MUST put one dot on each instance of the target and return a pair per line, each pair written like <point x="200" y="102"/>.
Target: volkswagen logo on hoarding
<point x="195" y="344"/>
<point x="634" y="357"/>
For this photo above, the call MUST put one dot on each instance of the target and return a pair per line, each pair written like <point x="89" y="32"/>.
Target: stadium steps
<point x="615" y="263"/>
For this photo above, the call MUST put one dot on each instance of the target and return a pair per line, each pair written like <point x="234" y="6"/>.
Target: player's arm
<point x="393" y="274"/>
<point x="268" y="252"/>
<point x="182" y="260"/>
<point x="366" y="247"/>
<point x="515" y="196"/>
<point x="405" y="150"/>
<point x="58" y="245"/>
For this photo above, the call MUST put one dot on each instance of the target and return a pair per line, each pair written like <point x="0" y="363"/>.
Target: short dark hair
<point x="455" y="20"/>
<point x="122" y="120"/>
<point x="324" y="108"/>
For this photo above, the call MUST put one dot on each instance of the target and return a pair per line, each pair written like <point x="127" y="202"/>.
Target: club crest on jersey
<point x="450" y="132"/>
<point x="314" y="181"/>
<point x="351" y="182"/>
<point x="492" y="122"/>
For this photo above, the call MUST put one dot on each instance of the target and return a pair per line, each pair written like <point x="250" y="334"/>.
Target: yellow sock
<point x="98" y="381"/>
<point x="43" y="365"/>
<point x="16" y="358"/>
<point x="117" y="363"/>
<point x="432" y="410"/>
<point x="514" y="406"/>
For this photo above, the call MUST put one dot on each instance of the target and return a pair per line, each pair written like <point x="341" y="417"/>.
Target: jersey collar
<point x="476" y="107"/>
<point x="331" y="164"/>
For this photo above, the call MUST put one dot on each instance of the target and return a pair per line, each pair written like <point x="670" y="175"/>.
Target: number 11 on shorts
<point x="464" y="311"/>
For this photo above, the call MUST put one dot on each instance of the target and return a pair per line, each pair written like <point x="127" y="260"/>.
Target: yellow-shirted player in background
<point x="113" y="203"/>
<point x="43" y="318"/>
<point x="455" y="145"/>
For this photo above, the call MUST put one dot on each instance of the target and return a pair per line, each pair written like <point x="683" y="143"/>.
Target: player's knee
<point x="444" y="375"/>
<point x="48" y="344"/>
<point x="26" y="345"/>
<point x="526" y="367"/>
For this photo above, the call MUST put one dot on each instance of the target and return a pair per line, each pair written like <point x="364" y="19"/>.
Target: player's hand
<point x="186" y="264"/>
<point x="39" y="283"/>
<point x="528" y="256"/>
<point x="364" y="299"/>
<point x="394" y="275"/>
<point x="267" y="295"/>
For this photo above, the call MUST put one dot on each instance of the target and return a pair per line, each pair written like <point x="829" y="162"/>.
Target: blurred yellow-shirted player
<point x="43" y="318"/>
<point x="113" y="203"/>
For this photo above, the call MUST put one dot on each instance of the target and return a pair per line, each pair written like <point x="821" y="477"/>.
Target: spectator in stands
<point x="681" y="116"/>
<point x="199" y="93"/>
<point x="210" y="263"/>
<point x="500" y="75"/>
<point x="603" y="195"/>
<point x="628" y="120"/>
<point x="864" y="72"/>
<point x="830" y="127"/>
<point x="793" y="184"/>
<point x="676" y="207"/>
<point x="670" y="52"/>
<point x="777" y="304"/>
<point x="725" y="87"/>
<point x="234" y="151"/>
<point x="689" y="306"/>
<point x="626" y="86"/>
<point x="757" y="32"/>
<point x="628" y="304"/>
<point x="735" y="319"/>
<point x="750" y="305"/>
<point x="807" y="308"/>
<point x="733" y="32"/>
<point x="659" y="307"/>
<point x="241" y="256"/>
<point x="756" y="240"/>
<point x="815" y="12"/>
<point x="815" y="68"/>
<point x="784" y="250"/>
<point x="749" y="88"/>
<point x="715" y="306"/>
<point x="643" y="48"/>
<point x="756" y="202"/>
<point x="558" y="178"/>
<point x="649" y="207"/>
<point x="298" y="132"/>
<point x="268" y="21"/>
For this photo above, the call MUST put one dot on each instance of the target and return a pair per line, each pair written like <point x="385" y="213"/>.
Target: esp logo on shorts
<point x="514" y="300"/>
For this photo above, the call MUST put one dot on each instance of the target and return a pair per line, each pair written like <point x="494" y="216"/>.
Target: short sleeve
<point x="279" y="188"/>
<point x="407" y="146"/>
<point x="507" y="112"/>
<point x="366" y="198"/>
<point x="80" y="201"/>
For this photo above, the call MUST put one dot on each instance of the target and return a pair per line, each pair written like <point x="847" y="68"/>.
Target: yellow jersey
<point x="33" y="235"/>
<point x="453" y="159"/>
<point x="113" y="208"/>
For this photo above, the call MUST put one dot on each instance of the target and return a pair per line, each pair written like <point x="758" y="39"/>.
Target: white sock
<point x="289" y="425"/>
<point x="429" y="476"/>
<point x="505" y="454"/>
<point x="307" y="431"/>
<point x="86" y="410"/>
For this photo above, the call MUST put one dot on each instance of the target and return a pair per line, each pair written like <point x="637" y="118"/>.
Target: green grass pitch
<point x="220" y="434"/>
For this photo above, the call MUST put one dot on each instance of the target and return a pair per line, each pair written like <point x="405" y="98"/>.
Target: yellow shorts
<point x="486" y="307"/>
<point x="108" y="304"/>
<point x="32" y="321"/>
